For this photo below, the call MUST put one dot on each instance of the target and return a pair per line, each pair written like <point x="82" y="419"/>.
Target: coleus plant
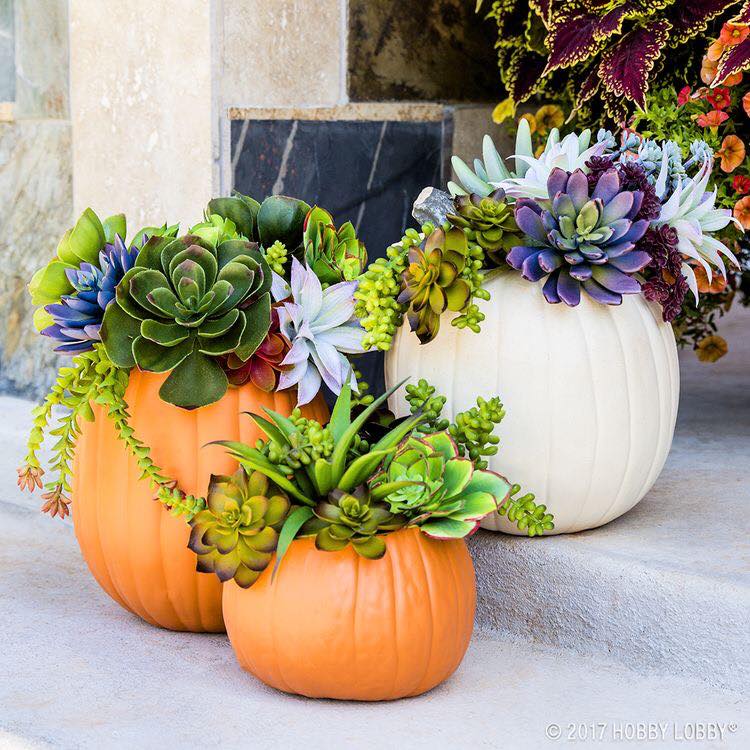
<point x="603" y="55"/>
<point x="345" y="490"/>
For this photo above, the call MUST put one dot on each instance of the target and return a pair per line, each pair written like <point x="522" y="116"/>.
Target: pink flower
<point x="684" y="96"/>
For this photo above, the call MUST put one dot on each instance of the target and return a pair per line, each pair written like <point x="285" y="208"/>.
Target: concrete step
<point x="80" y="672"/>
<point x="667" y="586"/>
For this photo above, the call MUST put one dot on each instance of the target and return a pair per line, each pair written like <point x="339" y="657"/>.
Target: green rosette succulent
<point x="352" y="518"/>
<point x="333" y="254"/>
<point x="184" y="304"/>
<point x="432" y="281"/>
<point x="429" y="483"/>
<point x="237" y="534"/>
<point x="490" y="222"/>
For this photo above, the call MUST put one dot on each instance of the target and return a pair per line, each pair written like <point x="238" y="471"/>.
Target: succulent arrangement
<point x="353" y="481"/>
<point x="256" y="292"/>
<point x="608" y="216"/>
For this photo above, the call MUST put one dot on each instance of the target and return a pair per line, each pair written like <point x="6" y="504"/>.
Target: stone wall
<point x="35" y="176"/>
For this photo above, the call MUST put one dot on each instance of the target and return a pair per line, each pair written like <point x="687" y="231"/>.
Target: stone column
<point x="142" y="106"/>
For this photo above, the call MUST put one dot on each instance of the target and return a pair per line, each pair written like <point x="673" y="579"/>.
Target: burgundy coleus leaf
<point x="542" y="8"/>
<point x="743" y="15"/>
<point x="577" y="34"/>
<point x="523" y="75"/>
<point x="615" y="106"/>
<point x="589" y="88"/>
<point x="690" y="19"/>
<point x="625" y="67"/>
<point x="734" y="60"/>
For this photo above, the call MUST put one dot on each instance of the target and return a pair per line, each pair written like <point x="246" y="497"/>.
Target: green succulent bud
<point x="276" y="257"/>
<point x="489" y="222"/>
<point x="182" y="305"/>
<point x="422" y="399"/>
<point x="215" y="230"/>
<point x="352" y="518"/>
<point x="473" y="430"/>
<point x="333" y="254"/>
<point x="238" y="532"/>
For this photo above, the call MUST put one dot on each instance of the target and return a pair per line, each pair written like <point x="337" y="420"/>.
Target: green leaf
<point x="218" y="326"/>
<point x="150" y="254"/>
<point x="360" y="469"/>
<point x="322" y="476"/>
<point x="223" y="344"/>
<point x="442" y="443"/>
<point x="372" y="548"/>
<point x="342" y="413"/>
<point x="196" y="381"/>
<point x="269" y="428"/>
<point x="338" y="459"/>
<point x="383" y="490"/>
<point x="153" y="357"/>
<point x="294" y="522"/>
<point x="64" y="251"/>
<point x="447" y="528"/>
<point x="257" y="324"/>
<point x="48" y="284"/>
<point x="202" y="257"/>
<point x="87" y="237"/>
<point x="456" y="475"/>
<point x="477" y="505"/>
<point x="139" y="283"/>
<point x="483" y="480"/>
<point x="166" y="301"/>
<point x="42" y="319"/>
<point x="166" y="334"/>
<point x="281" y="218"/>
<point x="241" y="278"/>
<point x="115" y="225"/>
<point x="239" y="211"/>
<point x="119" y="330"/>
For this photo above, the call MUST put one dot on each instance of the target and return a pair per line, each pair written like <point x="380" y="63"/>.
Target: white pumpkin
<point x="590" y="392"/>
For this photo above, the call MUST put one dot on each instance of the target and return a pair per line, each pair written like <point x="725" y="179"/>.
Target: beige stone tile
<point x="280" y="53"/>
<point x="141" y="108"/>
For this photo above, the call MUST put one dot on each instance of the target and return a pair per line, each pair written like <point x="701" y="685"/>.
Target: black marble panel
<point x="366" y="172"/>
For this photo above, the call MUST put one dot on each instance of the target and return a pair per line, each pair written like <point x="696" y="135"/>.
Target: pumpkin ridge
<point x="428" y="662"/>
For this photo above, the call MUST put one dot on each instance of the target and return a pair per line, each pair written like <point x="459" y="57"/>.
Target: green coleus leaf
<point x="197" y="381"/>
<point x="115" y="225"/>
<point x="157" y="358"/>
<point x="294" y="522"/>
<point x="202" y="257"/>
<point x="224" y="343"/>
<point x="166" y="334"/>
<point x="48" y="284"/>
<point x="118" y="332"/>
<point x="257" y="322"/>
<point x="447" y="528"/>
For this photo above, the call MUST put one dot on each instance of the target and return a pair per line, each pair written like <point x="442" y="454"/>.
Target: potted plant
<point x="341" y="545"/>
<point x="172" y="338"/>
<point x="573" y="263"/>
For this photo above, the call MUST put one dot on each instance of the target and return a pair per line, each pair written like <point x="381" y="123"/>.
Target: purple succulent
<point x="581" y="239"/>
<point x="78" y="316"/>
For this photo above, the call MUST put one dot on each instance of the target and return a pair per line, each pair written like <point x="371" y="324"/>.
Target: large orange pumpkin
<point x="335" y="625"/>
<point x="134" y="547"/>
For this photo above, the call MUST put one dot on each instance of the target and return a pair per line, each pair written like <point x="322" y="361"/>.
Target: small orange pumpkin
<point x="134" y="547"/>
<point x="335" y="625"/>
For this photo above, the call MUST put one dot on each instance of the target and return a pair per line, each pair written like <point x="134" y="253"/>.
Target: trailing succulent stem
<point x="92" y="378"/>
<point x="526" y="513"/>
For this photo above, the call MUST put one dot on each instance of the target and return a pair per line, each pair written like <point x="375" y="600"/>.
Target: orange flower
<point x="733" y="33"/>
<point x="719" y="98"/>
<point x="741" y="212"/>
<point x="746" y="103"/>
<point x="731" y="153"/>
<point x="549" y="116"/>
<point x="712" y="119"/>
<point x="717" y="284"/>
<point x="711" y="348"/>
<point x="708" y="70"/>
<point x="732" y="80"/>
<point x="715" y="51"/>
<point x="531" y="120"/>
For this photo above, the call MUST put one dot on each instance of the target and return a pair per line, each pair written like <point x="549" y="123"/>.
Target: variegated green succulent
<point x="429" y="483"/>
<point x="333" y="254"/>
<point x="237" y="534"/>
<point x="184" y="304"/>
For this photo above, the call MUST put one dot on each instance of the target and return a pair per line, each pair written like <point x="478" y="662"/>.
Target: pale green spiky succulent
<point x="333" y="254"/>
<point x="429" y="483"/>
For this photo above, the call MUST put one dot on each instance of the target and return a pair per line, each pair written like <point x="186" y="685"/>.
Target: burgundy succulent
<point x="667" y="285"/>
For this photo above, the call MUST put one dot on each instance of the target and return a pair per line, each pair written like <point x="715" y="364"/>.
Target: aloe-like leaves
<point x="341" y="414"/>
<point x="294" y="522"/>
<point x="359" y="470"/>
<point x="338" y="459"/>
